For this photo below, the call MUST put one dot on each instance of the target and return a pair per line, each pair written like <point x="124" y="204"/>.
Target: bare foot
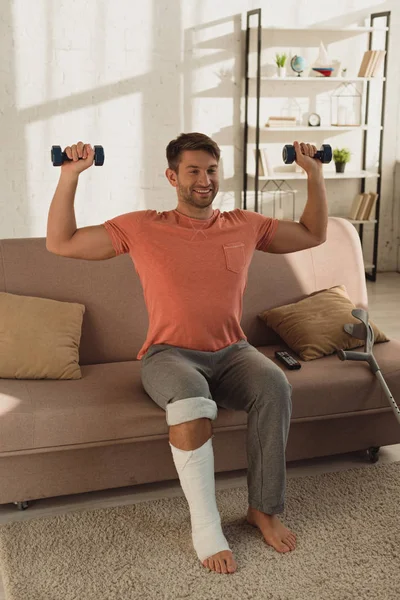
<point x="222" y="562"/>
<point x="275" y="534"/>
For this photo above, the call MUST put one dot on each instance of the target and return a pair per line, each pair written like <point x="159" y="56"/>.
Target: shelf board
<point x="318" y="78"/>
<point x="286" y="175"/>
<point x="320" y="128"/>
<point x="333" y="29"/>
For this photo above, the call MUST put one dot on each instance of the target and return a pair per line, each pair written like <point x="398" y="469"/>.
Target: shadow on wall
<point x="225" y="62"/>
<point x="166" y="91"/>
<point x="159" y="109"/>
<point x="13" y="176"/>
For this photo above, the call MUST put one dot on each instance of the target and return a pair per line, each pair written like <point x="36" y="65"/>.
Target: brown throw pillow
<point x="313" y="327"/>
<point x="39" y="338"/>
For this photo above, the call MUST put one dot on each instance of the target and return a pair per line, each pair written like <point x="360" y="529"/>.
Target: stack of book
<point x="363" y="207"/>
<point x="281" y="122"/>
<point x="371" y="63"/>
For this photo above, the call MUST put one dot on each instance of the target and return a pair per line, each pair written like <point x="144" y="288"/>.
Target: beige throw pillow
<point x="313" y="327"/>
<point x="39" y="338"/>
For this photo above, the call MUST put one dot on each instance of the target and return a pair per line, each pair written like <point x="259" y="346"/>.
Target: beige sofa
<point x="103" y="431"/>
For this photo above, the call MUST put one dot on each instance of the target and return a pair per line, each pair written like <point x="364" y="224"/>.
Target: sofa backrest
<point x="115" y="321"/>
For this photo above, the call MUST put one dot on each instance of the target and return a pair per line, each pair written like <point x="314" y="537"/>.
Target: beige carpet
<point x="348" y="547"/>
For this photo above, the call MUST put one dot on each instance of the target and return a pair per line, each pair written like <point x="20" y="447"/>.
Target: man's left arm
<point x="291" y="236"/>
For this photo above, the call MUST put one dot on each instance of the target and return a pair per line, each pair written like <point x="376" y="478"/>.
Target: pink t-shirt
<point x="193" y="272"/>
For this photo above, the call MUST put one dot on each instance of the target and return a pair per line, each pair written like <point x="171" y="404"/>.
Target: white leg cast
<point x="196" y="475"/>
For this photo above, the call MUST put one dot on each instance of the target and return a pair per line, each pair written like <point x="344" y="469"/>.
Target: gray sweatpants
<point x="191" y="384"/>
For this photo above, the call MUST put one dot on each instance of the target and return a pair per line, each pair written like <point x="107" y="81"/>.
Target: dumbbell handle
<point x="319" y="154"/>
<point x="66" y="158"/>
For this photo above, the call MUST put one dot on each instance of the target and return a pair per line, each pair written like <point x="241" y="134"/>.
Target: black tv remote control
<point x="288" y="360"/>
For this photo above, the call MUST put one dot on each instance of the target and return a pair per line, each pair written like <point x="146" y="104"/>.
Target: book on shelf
<point x="264" y="164"/>
<point x="362" y="207"/>
<point x="281" y="122"/>
<point x="379" y="62"/>
<point x="364" y="63"/>
<point x="355" y="207"/>
<point x="370" y="216"/>
<point x="261" y="172"/>
<point x="371" y="63"/>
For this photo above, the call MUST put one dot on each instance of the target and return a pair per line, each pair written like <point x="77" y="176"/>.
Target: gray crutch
<point x="364" y="331"/>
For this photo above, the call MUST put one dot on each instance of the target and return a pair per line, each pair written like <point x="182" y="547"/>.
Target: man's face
<point x="197" y="179"/>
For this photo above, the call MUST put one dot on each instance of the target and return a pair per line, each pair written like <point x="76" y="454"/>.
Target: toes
<point x="231" y="566"/>
<point x="281" y="547"/>
<point x="219" y="566"/>
<point x="290" y="542"/>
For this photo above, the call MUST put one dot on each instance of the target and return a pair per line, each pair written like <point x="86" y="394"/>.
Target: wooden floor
<point x="383" y="295"/>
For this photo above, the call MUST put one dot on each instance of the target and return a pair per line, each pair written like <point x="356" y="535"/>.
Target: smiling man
<point x="192" y="262"/>
<point x="201" y="359"/>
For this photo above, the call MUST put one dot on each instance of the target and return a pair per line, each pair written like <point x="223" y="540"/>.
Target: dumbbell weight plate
<point x="327" y="153"/>
<point x="98" y="156"/>
<point x="288" y="154"/>
<point x="56" y="156"/>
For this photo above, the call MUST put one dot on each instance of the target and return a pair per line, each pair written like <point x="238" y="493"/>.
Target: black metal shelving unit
<point x="386" y="15"/>
<point x="255" y="15"/>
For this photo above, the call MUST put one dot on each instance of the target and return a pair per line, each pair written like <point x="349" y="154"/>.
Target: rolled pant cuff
<point x="275" y="510"/>
<point x="189" y="409"/>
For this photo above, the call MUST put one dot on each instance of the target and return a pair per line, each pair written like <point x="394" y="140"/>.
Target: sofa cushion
<point x="109" y="405"/>
<point x="313" y="327"/>
<point x="39" y="338"/>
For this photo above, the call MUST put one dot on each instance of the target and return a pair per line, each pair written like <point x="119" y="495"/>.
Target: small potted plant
<point x="280" y="60"/>
<point x="341" y="156"/>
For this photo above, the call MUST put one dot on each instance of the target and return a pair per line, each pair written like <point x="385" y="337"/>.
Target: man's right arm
<point x="63" y="237"/>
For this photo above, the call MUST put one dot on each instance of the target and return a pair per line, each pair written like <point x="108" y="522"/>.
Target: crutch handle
<point x="349" y="355"/>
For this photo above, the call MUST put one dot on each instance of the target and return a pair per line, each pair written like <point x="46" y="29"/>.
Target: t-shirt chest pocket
<point x="234" y="256"/>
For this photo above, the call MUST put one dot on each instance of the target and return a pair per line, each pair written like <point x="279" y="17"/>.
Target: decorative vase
<point x="340" y="167"/>
<point x="281" y="71"/>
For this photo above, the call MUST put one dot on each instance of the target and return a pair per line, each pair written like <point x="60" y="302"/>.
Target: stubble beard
<point x="189" y="197"/>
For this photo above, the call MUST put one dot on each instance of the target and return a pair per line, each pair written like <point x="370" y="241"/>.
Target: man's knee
<point x="191" y="434"/>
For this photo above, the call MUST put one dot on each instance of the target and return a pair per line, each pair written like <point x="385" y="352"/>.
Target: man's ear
<point x="172" y="177"/>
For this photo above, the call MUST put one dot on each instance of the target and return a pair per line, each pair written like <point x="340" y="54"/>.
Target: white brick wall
<point x="131" y="76"/>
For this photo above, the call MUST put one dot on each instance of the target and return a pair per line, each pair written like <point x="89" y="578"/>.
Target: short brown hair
<point x="190" y="141"/>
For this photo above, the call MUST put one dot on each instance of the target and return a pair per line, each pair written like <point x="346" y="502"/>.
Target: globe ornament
<point x="298" y="64"/>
